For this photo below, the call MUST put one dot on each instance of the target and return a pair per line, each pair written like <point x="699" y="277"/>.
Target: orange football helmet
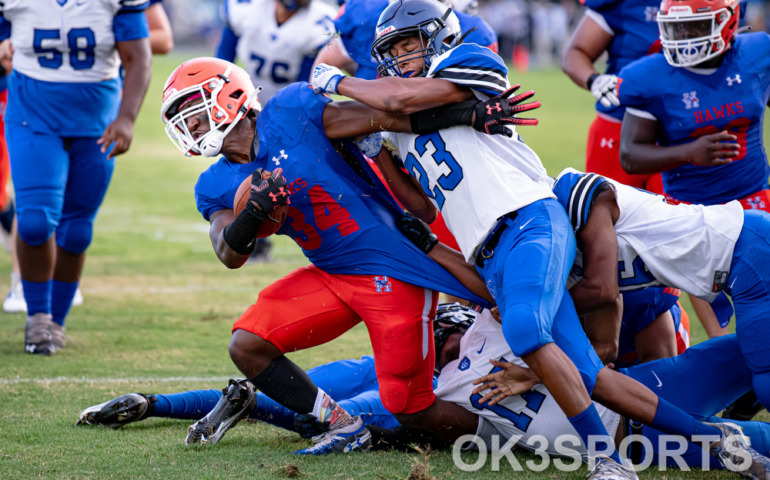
<point x="693" y="31"/>
<point x="228" y="96"/>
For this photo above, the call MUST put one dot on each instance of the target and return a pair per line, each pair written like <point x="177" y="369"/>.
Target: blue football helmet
<point x="435" y="23"/>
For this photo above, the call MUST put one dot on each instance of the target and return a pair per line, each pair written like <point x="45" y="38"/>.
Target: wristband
<point x="241" y="234"/>
<point x="591" y="79"/>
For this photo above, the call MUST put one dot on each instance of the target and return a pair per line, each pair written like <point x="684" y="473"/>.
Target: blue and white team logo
<point x="690" y="100"/>
<point x="465" y="364"/>
<point x="382" y="284"/>
<point x="651" y="14"/>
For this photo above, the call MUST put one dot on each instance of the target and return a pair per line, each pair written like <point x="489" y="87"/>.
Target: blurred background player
<point x="702" y="127"/>
<point x="277" y="42"/>
<point x="626" y="30"/>
<point x="356" y="23"/>
<point x="67" y="118"/>
<point x="161" y="42"/>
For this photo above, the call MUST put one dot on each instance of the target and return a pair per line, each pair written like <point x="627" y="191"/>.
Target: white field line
<point x="86" y="380"/>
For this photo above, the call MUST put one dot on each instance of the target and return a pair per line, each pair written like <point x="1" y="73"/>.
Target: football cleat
<point x="14" y="302"/>
<point x="37" y="335"/>
<point x="605" y="468"/>
<point x="57" y="336"/>
<point x="348" y="438"/>
<point x="119" y="411"/>
<point x="745" y="408"/>
<point x="734" y="452"/>
<point x="237" y="402"/>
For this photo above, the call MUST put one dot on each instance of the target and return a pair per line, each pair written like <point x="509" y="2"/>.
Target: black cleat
<point x="119" y="411"/>
<point x="745" y="408"/>
<point x="237" y="402"/>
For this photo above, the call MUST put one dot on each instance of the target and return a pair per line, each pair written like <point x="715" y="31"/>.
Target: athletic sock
<point x="38" y="296"/>
<point x="190" y="405"/>
<point x="61" y="300"/>
<point x="589" y="426"/>
<point x="673" y="420"/>
<point x="327" y="410"/>
<point x="6" y="216"/>
<point x="287" y="384"/>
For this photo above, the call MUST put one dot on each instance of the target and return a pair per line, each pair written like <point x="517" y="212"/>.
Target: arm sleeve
<point x="129" y="26"/>
<point x="227" y="45"/>
<point x="577" y="192"/>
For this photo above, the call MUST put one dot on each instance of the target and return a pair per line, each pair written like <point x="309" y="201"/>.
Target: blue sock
<point x="761" y="383"/>
<point x="272" y="412"/>
<point x="190" y="405"/>
<point x="61" y="300"/>
<point x="671" y="419"/>
<point x="38" y="296"/>
<point x="588" y="423"/>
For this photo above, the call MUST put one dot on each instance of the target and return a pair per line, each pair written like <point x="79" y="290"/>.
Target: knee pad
<point x="35" y="226"/>
<point x="522" y="329"/>
<point x="74" y="236"/>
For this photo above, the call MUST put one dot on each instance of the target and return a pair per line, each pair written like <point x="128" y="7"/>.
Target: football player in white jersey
<point x="276" y="40"/>
<point x="704" y="250"/>
<point x="68" y="116"/>
<point x="495" y="200"/>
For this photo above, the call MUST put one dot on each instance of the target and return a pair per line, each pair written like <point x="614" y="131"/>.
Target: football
<point x="274" y="219"/>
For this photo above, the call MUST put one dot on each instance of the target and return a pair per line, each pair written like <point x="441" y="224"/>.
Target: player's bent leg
<point x="657" y="340"/>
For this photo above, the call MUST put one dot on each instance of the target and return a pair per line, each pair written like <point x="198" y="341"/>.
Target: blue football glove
<point x="370" y="145"/>
<point x="325" y="78"/>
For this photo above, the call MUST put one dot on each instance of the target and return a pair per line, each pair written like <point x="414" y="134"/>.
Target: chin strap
<point x="211" y="144"/>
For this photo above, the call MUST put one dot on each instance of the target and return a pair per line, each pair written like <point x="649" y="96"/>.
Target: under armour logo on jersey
<point x="383" y="284"/>
<point x="280" y="157"/>
<point x="281" y="192"/>
<point x="735" y="79"/>
<point x="690" y="100"/>
<point x="607" y="142"/>
<point x="495" y="107"/>
<point x="651" y="14"/>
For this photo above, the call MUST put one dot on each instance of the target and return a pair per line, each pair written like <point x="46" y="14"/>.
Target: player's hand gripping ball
<point x="276" y="213"/>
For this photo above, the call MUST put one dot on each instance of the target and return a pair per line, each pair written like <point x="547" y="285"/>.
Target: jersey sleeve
<point x="597" y="4"/>
<point x="472" y="66"/>
<point x="631" y="85"/>
<point x="215" y="189"/>
<point x="484" y="35"/>
<point x="756" y="46"/>
<point x="295" y="104"/>
<point x="5" y="28"/>
<point x="577" y="193"/>
<point x="131" y="25"/>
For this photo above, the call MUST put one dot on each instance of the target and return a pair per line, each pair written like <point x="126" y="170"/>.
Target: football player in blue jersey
<point x="357" y="21"/>
<point x="343" y="218"/>
<point x="626" y="30"/>
<point x="519" y="227"/>
<point x="66" y="120"/>
<point x="702" y="127"/>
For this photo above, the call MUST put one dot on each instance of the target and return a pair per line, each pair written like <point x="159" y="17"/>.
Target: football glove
<point x="492" y="115"/>
<point x="604" y="88"/>
<point x="265" y="196"/>
<point x="325" y="78"/>
<point x="370" y="145"/>
<point x="418" y="232"/>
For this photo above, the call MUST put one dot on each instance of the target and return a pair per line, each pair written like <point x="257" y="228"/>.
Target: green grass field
<point x="157" y="316"/>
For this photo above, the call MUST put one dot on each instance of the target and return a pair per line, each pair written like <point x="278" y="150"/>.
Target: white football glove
<point x="370" y="145"/>
<point x="605" y="89"/>
<point x="325" y="78"/>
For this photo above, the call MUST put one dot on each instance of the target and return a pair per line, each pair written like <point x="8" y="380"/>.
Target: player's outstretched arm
<point x="136" y="57"/>
<point x="509" y="381"/>
<point x="640" y="154"/>
<point x="161" y="35"/>
<point x="403" y="95"/>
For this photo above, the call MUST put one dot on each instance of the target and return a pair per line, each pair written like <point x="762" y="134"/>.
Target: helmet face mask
<point x="435" y="25"/>
<point x="450" y="318"/>
<point x="696" y="31"/>
<point x="227" y="96"/>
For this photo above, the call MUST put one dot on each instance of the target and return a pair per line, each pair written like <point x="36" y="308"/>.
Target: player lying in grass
<point x="465" y="342"/>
